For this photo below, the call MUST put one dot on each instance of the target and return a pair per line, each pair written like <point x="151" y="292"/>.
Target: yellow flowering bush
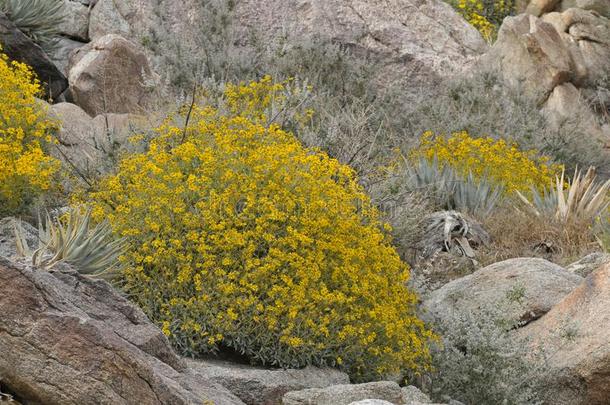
<point x="485" y="15"/>
<point x="243" y="239"/>
<point x="25" y="170"/>
<point x="501" y="162"/>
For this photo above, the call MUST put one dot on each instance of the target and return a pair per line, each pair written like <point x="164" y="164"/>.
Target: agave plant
<point x="476" y="196"/>
<point x="90" y="249"/>
<point x="582" y="198"/>
<point x="38" y="19"/>
<point x="451" y="191"/>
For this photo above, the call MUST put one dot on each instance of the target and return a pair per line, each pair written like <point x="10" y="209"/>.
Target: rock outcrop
<point x="539" y="7"/>
<point x="109" y="75"/>
<point x="559" y="58"/>
<point x="261" y="386"/>
<point x="415" y="39"/>
<point x="346" y="394"/>
<point x="536" y="283"/>
<point x="589" y="264"/>
<point x="76" y="21"/>
<point x="412" y="38"/>
<point x="17" y="46"/>
<point x="68" y="339"/>
<point x="88" y="144"/>
<point x="375" y="393"/>
<point x="575" y="335"/>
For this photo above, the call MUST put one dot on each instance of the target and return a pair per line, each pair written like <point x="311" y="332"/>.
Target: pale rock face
<point x="76" y="21"/>
<point x="539" y="7"/>
<point x="589" y="264"/>
<point x="557" y="59"/>
<point x="600" y="6"/>
<point x="542" y="284"/>
<point x="428" y="36"/>
<point x="413" y="38"/>
<point x="346" y="394"/>
<point x="61" y="52"/>
<point x="86" y="143"/>
<point x="576" y="337"/>
<point x="530" y="54"/>
<point x="261" y="386"/>
<point x="109" y="75"/>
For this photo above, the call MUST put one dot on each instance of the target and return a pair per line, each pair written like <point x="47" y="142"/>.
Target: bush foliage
<point x="244" y="239"/>
<point x="25" y="170"/>
<point x="486" y="158"/>
<point x="481" y="362"/>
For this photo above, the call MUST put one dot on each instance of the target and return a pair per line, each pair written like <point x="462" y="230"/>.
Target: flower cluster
<point x="244" y="239"/>
<point x="25" y="170"/>
<point x="485" y="15"/>
<point x="499" y="161"/>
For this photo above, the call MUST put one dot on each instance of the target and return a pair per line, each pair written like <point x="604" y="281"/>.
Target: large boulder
<point x="61" y="51"/>
<point x="575" y="335"/>
<point x="69" y="339"/>
<point x="19" y="47"/>
<point x="587" y="36"/>
<point x="540" y="7"/>
<point x="110" y="75"/>
<point x="536" y="283"/>
<point x="412" y="38"/>
<point x="560" y="60"/>
<point x="602" y="7"/>
<point x="530" y="54"/>
<point x="76" y="21"/>
<point x="589" y="263"/>
<point x="261" y="386"/>
<point x="92" y="145"/>
<point x="346" y="394"/>
<point x="412" y="395"/>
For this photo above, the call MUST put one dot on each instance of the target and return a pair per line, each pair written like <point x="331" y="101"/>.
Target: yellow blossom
<point x="275" y="250"/>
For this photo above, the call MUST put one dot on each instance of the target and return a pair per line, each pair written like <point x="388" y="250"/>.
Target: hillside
<point x="322" y="202"/>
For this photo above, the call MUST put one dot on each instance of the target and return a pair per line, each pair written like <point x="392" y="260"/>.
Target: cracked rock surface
<point x="67" y="339"/>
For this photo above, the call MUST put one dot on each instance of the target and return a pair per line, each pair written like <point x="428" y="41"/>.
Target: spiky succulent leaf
<point x="38" y="19"/>
<point x="91" y="250"/>
<point x="451" y="191"/>
<point x="582" y="198"/>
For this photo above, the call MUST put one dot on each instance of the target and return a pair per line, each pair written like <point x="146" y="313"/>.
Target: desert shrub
<point x="479" y="362"/>
<point x="244" y="239"/>
<point x="482" y="104"/>
<point x="25" y="170"/>
<point x="485" y="15"/>
<point x="38" y="19"/>
<point x="500" y="162"/>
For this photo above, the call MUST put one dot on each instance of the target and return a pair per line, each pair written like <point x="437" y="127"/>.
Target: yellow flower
<point x="497" y="160"/>
<point x="25" y="170"/>
<point x="271" y="239"/>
